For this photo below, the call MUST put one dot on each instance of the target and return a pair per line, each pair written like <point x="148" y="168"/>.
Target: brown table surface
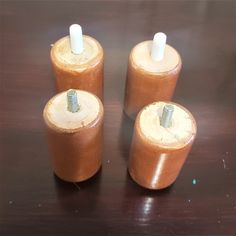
<point x="35" y="202"/>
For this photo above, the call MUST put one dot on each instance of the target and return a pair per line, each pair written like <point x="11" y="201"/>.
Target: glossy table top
<point x="35" y="202"/>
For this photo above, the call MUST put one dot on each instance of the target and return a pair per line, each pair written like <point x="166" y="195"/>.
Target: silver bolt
<point x="166" y="118"/>
<point x="72" y="101"/>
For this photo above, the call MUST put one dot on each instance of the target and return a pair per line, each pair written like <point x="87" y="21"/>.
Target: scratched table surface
<point x="203" y="199"/>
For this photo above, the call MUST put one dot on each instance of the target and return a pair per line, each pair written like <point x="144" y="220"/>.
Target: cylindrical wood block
<point x="157" y="154"/>
<point x="78" y="71"/>
<point x="148" y="80"/>
<point x="75" y="139"/>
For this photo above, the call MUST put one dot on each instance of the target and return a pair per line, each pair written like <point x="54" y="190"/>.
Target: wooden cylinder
<point x="78" y="71"/>
<point x="148" y="80"/>
<point x="157" y="154"/>
<point x="75" y="139"/>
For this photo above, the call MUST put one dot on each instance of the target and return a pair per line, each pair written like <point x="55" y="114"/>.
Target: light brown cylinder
<point x="149" y="81"/>
<point x="83" y="71"/>
<point x="75" y="140"/>
<point x="155" y="162"/>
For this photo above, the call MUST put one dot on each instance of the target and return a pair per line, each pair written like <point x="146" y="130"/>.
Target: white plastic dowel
<point x="76" y="39"/>
<point x="158" y="46"/>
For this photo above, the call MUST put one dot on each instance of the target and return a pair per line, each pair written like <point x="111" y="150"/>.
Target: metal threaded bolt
<point x="166" y="117"/>
<point x="72" y="101"/>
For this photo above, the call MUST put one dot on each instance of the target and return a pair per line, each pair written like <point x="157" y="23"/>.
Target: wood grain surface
<point x="35" y="202"/>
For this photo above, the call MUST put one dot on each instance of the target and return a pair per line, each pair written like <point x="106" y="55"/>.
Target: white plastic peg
<point x="158" y="46"/>
<point x="76" y="39"/>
